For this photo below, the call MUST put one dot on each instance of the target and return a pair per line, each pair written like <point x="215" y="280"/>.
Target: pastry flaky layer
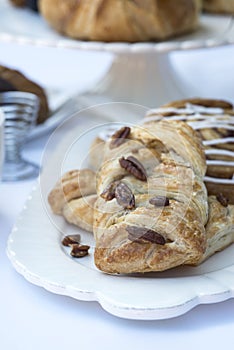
<point x="73" y="197"/>
<point x="219" y="228"/>
<point x="121" y="20"/>
<point x="151" y="207"/>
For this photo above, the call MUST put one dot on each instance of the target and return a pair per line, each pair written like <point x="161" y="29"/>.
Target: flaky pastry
<point x="72" y="185"/>
<point x="133" y="234"/>
<point x="121" y="20"/>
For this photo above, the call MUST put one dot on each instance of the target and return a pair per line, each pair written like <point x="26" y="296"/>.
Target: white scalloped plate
<point x="35" y="250"/>
<point x="23" y="26"/>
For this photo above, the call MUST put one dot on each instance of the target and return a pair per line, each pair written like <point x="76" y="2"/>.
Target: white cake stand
<point x="140" y="73"/>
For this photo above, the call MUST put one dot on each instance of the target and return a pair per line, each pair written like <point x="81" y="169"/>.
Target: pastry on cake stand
<point x="140" y="73"/>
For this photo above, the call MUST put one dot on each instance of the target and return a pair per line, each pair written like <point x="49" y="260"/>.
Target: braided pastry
<point x="151" y="210"/>
<point x="173" y="201"/>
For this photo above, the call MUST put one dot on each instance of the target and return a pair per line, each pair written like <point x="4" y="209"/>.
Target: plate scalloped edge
<point x="219" y="289"/>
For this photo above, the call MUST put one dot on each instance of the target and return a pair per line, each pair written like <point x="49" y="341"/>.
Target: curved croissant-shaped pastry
<point x="74" y="196"/>
<point x="151" y="209"/>
<point x="121" y="20"/>
<point x="79" y="212"/>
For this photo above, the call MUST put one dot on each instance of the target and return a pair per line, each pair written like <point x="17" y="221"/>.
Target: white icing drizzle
<point x="218" y="141"/>
<point x="219" y="180"/>
<point x="220" y="162"/>
<point x="198" y="121"/>
<point x="219" y="151"/>
<point x="153" y="118"/>
<point x="189" y="109"/>
<point x="199" y="117"/>
<point x="202" y="118"/>
<point x="211" y="124"/>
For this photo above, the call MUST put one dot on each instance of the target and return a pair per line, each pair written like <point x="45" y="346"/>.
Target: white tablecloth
<point x="33" y="318"/>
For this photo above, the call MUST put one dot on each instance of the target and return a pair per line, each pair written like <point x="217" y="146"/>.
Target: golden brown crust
<point x="16" y="81"/>
<point x="111" y="20"/>
<point x="219" y="6"/>
<point x="176" y="174"/>
<point x="74" y="184"/>
<point x="79" y="212"/>
<point x="185" y="244"/>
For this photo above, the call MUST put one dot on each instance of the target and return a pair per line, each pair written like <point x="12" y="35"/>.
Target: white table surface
<point x="33" y="318"/>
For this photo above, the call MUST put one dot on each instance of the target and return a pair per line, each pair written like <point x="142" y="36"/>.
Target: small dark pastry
<point x="18" y="3"/>
<point x="32" y="4"/>
<point x="13" y="80"/>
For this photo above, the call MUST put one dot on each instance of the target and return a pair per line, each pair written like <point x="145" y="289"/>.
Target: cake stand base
<point x="145" y="79"/>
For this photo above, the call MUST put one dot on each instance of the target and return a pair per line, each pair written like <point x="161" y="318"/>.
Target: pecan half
<point x="222" y="200"/>
<point x="124" y="196"/>
<point x="141" y="234"/>
<point x="134" y="167"/>
<point x="109" y="193"/>
<point x="159" y="201"/>
<point x="71" y="239"/>
<point x="79" y="251"/>
<point x="120" y="137"/>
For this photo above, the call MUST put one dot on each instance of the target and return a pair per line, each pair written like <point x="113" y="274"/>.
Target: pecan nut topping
<point x="109" y="193"/>
<point x="222" y="200"/>
<point x="79" y="251"/>
<point x="141" y="234"/>
<point x="120" y="137"/>
<point x="159" y="201"/>
<point x="71" y="239"/>
<point x="124" y="196"/>
<point x="134" y="167"/>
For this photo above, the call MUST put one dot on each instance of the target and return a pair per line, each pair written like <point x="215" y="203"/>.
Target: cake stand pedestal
<point x="145" y="79"/>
